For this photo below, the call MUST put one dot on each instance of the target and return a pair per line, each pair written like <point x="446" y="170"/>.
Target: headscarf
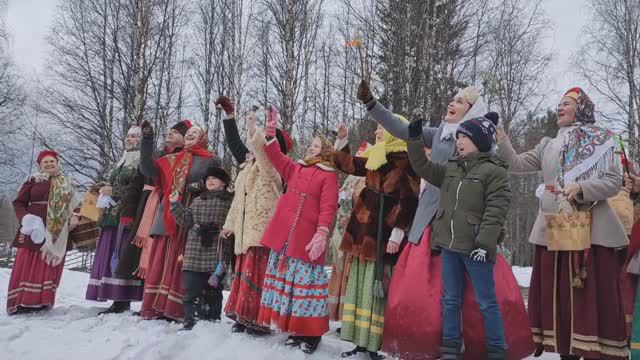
<point x="177" y="166"/>
<point x="131" y="157"/>
<point x="588" y="150"/>
<point x="377" y="154"/>
<point x="325" y="157"/>
<point x="585" y="109"/>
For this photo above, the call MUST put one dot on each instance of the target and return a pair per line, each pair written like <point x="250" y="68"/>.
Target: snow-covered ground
<point x="73" y="331"/>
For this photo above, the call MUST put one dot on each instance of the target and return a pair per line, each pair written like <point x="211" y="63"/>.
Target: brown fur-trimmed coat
<point x="401" y="186"/>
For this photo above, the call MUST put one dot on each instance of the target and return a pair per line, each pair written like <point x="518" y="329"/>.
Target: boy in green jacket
<point x="474" y="201"/>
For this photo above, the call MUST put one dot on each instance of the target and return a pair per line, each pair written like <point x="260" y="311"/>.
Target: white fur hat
<point x="470" y="94"/>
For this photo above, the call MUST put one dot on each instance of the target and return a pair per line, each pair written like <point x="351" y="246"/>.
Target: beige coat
<point x="606" y="229"/>
<point x="257" y="189"/>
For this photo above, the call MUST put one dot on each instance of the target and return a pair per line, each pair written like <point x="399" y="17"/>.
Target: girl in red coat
<point x="44" y="207"/>
<point x="295" y="289"/>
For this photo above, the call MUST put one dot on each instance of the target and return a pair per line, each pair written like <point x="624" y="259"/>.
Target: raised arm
<point x="281" y="162"/>
<point x="147" y="165"/>
<point x="342" y="157"/>
<point x="231" y="133"/>
<point x="258" y="143"/>
<point x="390" y="121"/>
<point x="530" y="161"/>
<point x="423" y="167"/>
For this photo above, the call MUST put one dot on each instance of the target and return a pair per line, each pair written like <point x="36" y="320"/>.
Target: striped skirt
<point x="33" y="282"/>
<point x="363" y="313"/>
<point x="294" y="297"/>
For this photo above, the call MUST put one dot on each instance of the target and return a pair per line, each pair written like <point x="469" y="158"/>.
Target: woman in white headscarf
<point x="114" y="222"/>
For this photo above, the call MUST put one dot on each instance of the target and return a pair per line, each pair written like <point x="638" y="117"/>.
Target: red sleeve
<point x="21" y="203"/>
<point x="348" y="163"/>
<point x="281" y="162"/>
<point x="328" y="200"/>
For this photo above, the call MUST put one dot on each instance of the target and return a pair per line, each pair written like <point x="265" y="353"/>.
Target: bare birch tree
<point x="610" y="63"/>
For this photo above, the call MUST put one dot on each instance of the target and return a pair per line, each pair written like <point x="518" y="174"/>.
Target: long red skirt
<point x="33" y="282"/>
<point x="163" y="290"/>
<point x="413" y="319"/>
<point x="243" y="303"/>
<point x="588" y="322"/>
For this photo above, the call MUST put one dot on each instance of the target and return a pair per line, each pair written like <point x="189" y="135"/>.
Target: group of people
<point x="415" y="235"/>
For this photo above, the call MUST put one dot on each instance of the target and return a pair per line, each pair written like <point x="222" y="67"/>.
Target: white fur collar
<point x="130" y="158"/>
<point x="40" y="177"/>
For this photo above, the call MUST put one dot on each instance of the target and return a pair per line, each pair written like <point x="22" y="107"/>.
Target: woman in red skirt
<point x="575" y="300"/>
<point x="44" y="207"/>
<point x="257" y="187"/>
<point x="163" y="290"/>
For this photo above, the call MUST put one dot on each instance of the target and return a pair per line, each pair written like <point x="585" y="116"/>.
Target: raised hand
<point x="251" y="121"/>
<point x="364" y="92"/>
<point x="147" y="129"/>
<point x="272" y="122"/>
<point x="225" y="104"/>
<point x="343" y="131"/>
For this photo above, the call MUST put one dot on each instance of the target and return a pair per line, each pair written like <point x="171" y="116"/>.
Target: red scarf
<point x="174" y="169"/>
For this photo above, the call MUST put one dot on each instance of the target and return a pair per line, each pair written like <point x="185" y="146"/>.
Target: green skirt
<point x="363" y="313"/>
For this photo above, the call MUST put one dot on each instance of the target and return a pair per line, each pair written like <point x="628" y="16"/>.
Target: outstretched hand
<point x="225" y="104"/>
<point x="343" y="131"/>
<point x="364" y="92"/>
<point x="272" y="122"/>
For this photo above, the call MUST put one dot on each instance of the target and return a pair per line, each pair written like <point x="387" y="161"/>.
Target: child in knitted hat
<point x="468" y="226"/>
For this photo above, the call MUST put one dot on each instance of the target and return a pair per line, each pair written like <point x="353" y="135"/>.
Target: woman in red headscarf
<point x="44" y="207"/>
<point x="163" y="290"/>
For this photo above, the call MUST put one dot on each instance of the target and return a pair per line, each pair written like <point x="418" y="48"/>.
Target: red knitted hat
<point x="45" y="153"/>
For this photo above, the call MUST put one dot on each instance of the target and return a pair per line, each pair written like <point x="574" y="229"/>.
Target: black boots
<point x="294" y="341"/>
<point x="353" y="352"/>
<point x="359" y="349"/>
<point x="117" y="307"/>
<point x="238" y="328"/>
<point x="188" y="325"/>
<point x="310" y="344"/>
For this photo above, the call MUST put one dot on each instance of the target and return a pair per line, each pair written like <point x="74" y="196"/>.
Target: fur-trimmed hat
<point x="183" y="126"/>
<point x="218" y="173"/>
<point x="470" y="94"/>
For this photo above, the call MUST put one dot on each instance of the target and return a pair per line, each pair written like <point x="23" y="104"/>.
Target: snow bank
<point x="73" y="331"/>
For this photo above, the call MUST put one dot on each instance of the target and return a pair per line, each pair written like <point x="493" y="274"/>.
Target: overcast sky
<point x="29" y="21"/>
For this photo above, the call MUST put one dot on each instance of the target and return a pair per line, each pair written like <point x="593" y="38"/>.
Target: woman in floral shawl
<point x="575" y="303"/>
<point x="44" y="207"/>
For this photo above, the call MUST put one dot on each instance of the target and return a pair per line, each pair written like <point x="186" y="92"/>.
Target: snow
<point x="72" y="330"/>
<point x="523" y="275"/>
